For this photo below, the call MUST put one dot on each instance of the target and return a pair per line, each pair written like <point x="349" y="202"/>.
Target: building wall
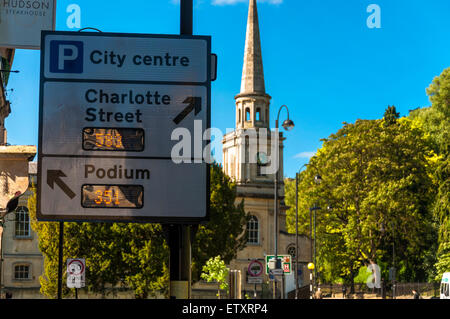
<point x="263" y="209"/>
<point x="21" y="250"/>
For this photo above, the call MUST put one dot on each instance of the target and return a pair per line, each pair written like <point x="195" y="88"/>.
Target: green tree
<point x="436" y="122"/>
<point x="391" y="115"/>
<point x="225" y="233"/>
<point x="375" y="179"/>
<point x="215" y="270"/>
<point x="117" y="255"/>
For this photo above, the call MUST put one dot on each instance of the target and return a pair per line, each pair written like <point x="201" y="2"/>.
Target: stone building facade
<point x="23" y="262"/>
<point x="246" y="153"/>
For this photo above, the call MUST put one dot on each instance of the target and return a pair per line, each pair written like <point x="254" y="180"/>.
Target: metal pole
<point x="275" y="213"/>
<point x="1" y="256"/>
<point x="315" y="265"/>
<point x="393" y="270"/>
<point x="179" y="236"/>
<point x="296" y="236"/>
<point x="179" y="241"/>
<point x="60" y="259"/>
<point x="310" y="233"/>
<point x="186" y="17"/>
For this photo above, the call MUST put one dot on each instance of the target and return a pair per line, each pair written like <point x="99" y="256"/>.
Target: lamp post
<point x="296" y="236"/>
<point x="297" y="175"/>
<point x="393" y="262"/>
<point x="288" y="125"/>
<point x="312" y="223"/>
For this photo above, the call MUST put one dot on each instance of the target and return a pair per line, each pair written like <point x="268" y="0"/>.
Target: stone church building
<point x="256" y="188"/>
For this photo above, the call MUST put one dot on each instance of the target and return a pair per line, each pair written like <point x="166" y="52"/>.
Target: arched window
<point x="253" y="230"/>
<point x="22" y="220"/>
<point x="291" y="250"/>
<point x="247" y="114"/>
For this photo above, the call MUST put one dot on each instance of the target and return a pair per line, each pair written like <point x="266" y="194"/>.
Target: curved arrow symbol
<point x="54" y="176"/>
<point x="195" y="103"/>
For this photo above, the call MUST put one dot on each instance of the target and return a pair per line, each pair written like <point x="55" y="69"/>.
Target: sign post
<point x="255" y="270"/>
<point x="76" y="274"/>
<point x="180" y="236"/>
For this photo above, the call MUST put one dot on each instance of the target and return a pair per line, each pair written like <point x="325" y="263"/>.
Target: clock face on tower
<point x="261" y="158"/>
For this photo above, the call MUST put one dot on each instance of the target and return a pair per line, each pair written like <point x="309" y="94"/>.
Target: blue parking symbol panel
<point x="66" y="56"/>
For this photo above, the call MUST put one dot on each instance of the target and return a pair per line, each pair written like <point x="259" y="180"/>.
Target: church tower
<point x="244" y="166"/>
<point x="241" y="162"/>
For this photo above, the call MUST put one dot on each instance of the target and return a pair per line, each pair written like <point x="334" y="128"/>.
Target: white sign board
<point x="92" y="104"/>
<point x="21" y="22"/>
<point x="76" y="273"/>
<point x="286" y="264"/>
<point x="255" y="280"/>
<point x="126" y="57"/>
<point x="110" y="109"/>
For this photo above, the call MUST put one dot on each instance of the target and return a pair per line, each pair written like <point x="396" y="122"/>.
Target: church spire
<point x="252" y="103"/>
<point x="252" y="71"/>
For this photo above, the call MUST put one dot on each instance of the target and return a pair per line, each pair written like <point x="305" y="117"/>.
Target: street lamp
<point x="317" y="180"/>
<point x="297" y="175"/>
<point x="288" y="125"/>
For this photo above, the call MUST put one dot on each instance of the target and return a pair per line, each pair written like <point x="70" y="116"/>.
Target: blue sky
<point x="320" y="59"/>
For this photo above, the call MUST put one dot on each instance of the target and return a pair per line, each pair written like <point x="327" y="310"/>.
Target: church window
<point x="258" y="114"/>
<point x="291" y="250"/>
<point x="261" y="162"/>
<point x="258" y="170"/>
<point x="232" y="167"/>
<point x="247" y="114"/>
<point x="253" y="230"/>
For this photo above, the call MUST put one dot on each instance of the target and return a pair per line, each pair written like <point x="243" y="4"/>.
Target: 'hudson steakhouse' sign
<point x="21" y="22"/>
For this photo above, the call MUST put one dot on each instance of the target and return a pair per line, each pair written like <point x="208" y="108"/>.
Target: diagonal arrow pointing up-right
<point x="195" y="103"/>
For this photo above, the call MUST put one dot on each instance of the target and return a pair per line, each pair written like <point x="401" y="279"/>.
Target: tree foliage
<point x="224" y="235"/>
<point x="118" y="255"/>
<point x="377" y="187"/>
<point x="215" y="270"/>
<point x="436" y="122"/>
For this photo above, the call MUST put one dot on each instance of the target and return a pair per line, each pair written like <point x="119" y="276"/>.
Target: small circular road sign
<point x="255" y="268"/>
<point x="75" y="267"/>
